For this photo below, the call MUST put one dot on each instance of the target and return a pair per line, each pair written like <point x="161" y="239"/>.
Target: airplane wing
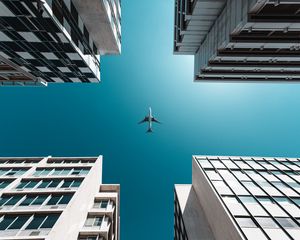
<point x="155" y="120"/>
<point x="146" y="119"/>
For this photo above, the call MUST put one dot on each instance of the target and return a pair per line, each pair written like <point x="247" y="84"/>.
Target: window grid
<point x="28" y="221"/>
<point x="61" y="171"/>
<point x="49" y="183"/>
<point x="37" y="200"/>
<point x="19" y="161"/>
<point x="6" y="172"/>
<point x="70" y="161"/>
<point x="253" y="165"/>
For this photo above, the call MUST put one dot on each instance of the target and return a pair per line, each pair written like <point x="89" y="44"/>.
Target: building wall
<point x="219" y="220"/>
<point x="72" y="213"/>
<point x="74" y="216"/>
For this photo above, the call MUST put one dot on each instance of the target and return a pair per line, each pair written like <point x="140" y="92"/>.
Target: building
<point x="56" y="41"/>
<point x="239" y="198"/>
<point x="57" y="198"/>
<point x="235" y="40"/>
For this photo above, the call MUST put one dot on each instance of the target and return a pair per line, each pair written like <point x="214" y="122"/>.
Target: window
<point x="4" y="183"/>
<point x="33" y="200"/>
<point x="43" y="221"/>
<point x="227" y="175"/>
<point x="242" y="165"/>
<point x="234" y="206"/>
<point x="101" y="203"/>
<point x="297" y="201"/>
<point x="254" y="234"/>
<point x="253" y="188"/>
<point x="253" y="207"/>
<point x="245" y="222"/>
<point x="10" y="200"/>
<point x="255" y="176"/>
<point x="93" y="221"/>
<point x="222" y="188"/>
<point x="229" y="164"/>
<point x="272" y="207"/>
<point x="269" y="188"/>
<point x="205" y="164"/>
<point x="279" y="165"/>
<point x="287" y="223"/>
<point x="255" y="165"/>
<point x="282" y="176"/>
<point x="276" y="234"/>
<point x="89" y="238"/>
<point x="266" y="222"/>
<point x="27" y="184"/>
<point x="71" y="183"/>
<point x="213" y="175"/>
<point x="285" y="189"/>
<point x="289" y="206"/>
<point x="294" y="175"/>
<point x="60" y="199"/>
<point x="12" y="171"/>
<point x="42" y="172"/>
<point x="267" y="165"/>
<point x="241" y="176"/>
<point x="44" y="184"/>
<point x="6" y="221"/>
<point x="217" y="164"/>
<point x="13" y="222"/>
<point x="65" y="199"/>
<point x="270" y="177"/>
<point x="19" y="222"/>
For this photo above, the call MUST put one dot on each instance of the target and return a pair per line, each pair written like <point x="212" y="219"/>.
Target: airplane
<point x="150" y="119"/>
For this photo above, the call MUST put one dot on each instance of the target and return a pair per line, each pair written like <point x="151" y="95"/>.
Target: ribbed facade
<point x="235" y="40"/>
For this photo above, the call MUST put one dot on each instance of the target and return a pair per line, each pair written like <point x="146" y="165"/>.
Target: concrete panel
<point x="221" y="223"/>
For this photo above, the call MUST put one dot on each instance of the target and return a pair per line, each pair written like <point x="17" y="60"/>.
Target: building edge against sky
<point x="57" y="198"/>
<point x="243" y="198"/>
<point x="56" y="41"/>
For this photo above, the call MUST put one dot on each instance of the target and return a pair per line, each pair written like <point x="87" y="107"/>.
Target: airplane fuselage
<point x="150" y="119"/>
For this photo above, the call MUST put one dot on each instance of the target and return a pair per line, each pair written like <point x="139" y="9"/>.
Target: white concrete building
<point x="57" y="198"/>
<point x="56" y="41"/>
<point x="239" y="198"/>
<point x="240" y="40"/>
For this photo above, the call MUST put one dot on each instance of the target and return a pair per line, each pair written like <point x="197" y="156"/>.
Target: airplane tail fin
<point x="150" y="130"/>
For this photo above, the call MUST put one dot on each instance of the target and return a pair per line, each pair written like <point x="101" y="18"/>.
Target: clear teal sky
<point x="198" y="118"/>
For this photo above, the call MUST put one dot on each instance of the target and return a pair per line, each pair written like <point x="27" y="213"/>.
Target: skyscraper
<point x="233" y="198"/>
<point x="235" y="40"/>
<point x="57" y="198"/>
<point x="46" y="41"/>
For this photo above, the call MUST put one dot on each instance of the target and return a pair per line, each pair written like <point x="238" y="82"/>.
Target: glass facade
<point x="179" y="228"/>
<point x="261" y="194"/>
